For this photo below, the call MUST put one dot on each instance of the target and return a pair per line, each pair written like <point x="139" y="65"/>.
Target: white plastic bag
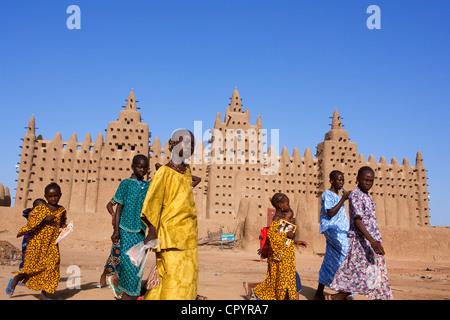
<point x="373" y="274"/>
<point x="138" y="252"/>
<point x="64" y="232"/>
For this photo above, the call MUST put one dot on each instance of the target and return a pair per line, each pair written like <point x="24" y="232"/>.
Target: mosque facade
<point x="239" y="172"/>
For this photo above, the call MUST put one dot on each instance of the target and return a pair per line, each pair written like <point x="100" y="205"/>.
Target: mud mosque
<point x="238" y="177"/>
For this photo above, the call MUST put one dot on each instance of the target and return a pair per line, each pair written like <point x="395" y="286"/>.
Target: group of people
<point x="164" y="209"/>
<point x="354" y="258"/>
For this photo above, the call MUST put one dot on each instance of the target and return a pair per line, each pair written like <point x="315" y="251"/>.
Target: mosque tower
<point x="234" y="167"/>
<point x="125" y="138"/>
<point x="336" y="152"/>
<point x="25" y="179"/>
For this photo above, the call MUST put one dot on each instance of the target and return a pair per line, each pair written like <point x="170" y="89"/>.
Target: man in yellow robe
<point x="170" y="214"/>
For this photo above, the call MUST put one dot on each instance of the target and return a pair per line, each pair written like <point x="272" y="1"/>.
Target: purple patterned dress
<point x="363" y="271"/>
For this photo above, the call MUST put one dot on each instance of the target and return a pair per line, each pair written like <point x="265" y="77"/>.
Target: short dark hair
<point x="38" y="201"/>
<point x="54" y="186"/>
<point x="364" y="169"/>
<point x="334" y="173"/>
<point x="277" y="198"/>
<point x="139" y="157"/>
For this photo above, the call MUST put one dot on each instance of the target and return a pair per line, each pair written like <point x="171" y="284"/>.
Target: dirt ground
<point x="222" y="272"/>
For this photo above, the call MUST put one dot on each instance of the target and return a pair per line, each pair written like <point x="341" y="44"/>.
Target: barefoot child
<point x="280" y="281"/>
<point x="365" y="257"/>
<point x="40" y="271"/>
<point x="128" y="228"/>
<point x="334" y="226"/>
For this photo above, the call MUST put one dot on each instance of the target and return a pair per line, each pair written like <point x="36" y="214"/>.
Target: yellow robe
<point x="42" y="259"/>
<point x="280" y="280"/>
<point x="169" y="206"/>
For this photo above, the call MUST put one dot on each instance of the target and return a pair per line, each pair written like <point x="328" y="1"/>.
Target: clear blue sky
<point x="293" y="62"/>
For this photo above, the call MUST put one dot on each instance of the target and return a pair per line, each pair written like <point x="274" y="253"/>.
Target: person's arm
<point x="63" y="222"/>
<point x="151" y="230"/>
<point x="116" y="235"/>
<point x="110" y="207"/>
<point x="333" y="211"/>
<point x="36" y="218"/>
<point x="48" y="219"/>
<point x="153" y="204"/>
<point x="376" y="245"/>
<point x="195" y="181"/>
<point x="357" y="211"/>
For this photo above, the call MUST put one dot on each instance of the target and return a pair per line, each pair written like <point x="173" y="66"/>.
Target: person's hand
<point x="301" y="244"/>
<point x="345" y="194"/>
<point x="149" y="237"/>
<point x="115" y="236"/>
<point x="49" y="219"/>
<point x="290" y="234"/>
<point x="377" y="247"/>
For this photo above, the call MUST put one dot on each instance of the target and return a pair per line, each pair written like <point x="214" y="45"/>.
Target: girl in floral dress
<point x="364" y="269"/>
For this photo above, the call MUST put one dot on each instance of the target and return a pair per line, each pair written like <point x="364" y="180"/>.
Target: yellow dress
<point x="42" y="259"/>
<point x="169" y="206"/>
<point x="280" y="279"/>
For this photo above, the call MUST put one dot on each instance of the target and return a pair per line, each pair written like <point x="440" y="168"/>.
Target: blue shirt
<point x="339" y="222"/>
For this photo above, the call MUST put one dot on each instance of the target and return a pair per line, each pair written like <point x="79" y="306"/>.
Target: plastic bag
<point x="373" y="274"/>
<point x="64" y="232"/>
<point x="138" y="252"/>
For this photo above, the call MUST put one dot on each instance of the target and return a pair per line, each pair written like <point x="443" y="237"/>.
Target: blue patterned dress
<point x="131" y="194"/>
<point x="335" y="231"/>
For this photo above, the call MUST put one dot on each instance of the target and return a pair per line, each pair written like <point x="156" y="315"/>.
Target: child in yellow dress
<point x="280" y="281"/>
<point x="42" y="260"/>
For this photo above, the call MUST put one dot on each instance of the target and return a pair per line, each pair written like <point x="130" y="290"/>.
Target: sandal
<point x="9" y="290"/>
<point x="199" y="297"/>
<point x="117" y="293"/>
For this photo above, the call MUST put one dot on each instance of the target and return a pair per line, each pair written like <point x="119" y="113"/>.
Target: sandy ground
<point x="222" y="272"/>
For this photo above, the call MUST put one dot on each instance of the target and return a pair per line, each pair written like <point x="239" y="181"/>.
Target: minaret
<point x="236" y="101"/>
<point x="131" y="102"/>
<point x="423" y="215"/>
<point x="5" y="197"/>
<point x="234" y="166"/>
<point x="336" y="152"/>
<point x="125" y="138"/>
<point x="336" y="123"/>
<point x="26" y="161"/>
